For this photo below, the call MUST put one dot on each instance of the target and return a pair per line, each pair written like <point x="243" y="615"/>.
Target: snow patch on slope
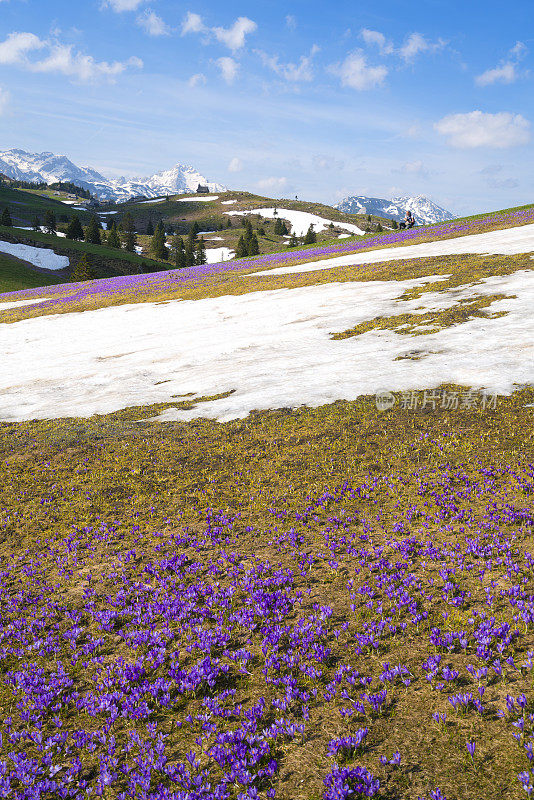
<point x="300" y="220"/>
<point x="270" y="349"/>
<point x="38" y="256"/>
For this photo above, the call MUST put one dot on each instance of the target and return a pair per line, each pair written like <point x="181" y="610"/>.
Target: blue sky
<point x="313" y="99"/>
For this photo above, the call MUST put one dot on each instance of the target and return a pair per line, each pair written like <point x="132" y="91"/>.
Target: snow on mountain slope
<point x="50" y="168"/>
<point x="510" y="241"/>
<point x="39" y="256"/>
<point x="268" y="349"/>
<point x="300" y="220"/>
<point x="423" y="209"/>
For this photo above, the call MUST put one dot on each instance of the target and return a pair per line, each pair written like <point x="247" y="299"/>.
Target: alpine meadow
<point x="266" y="401"/>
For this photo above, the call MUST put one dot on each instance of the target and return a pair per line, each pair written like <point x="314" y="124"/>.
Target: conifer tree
<point x="293" y="242"/>
<point x="113" y="237"/>
<point x="82" y="271"/>
<point x="6" y="218"/>
<point x="278" y="227"/>
<point x="158" y="245"/>
<point x="36" y="224"/>
<point x="201" y="257"/>
<point x="150" y="228"/>
<point x="50" y="222"/>
<point x="178" y="252"/>
<point x="189" y="253"/>
<point x="311" y="236"/>
<point x="193" y="231"/>
<point x="379" y="228"/>
<point x="368" y="218"/>
<point x="253" y="248"/>
<point x="74" y="229"/>
<point x="394" y="224"/>
<point x="130" y="238"/>
<point x="284" y="229"/>
<point x="248" y="230"/>
<point x="261" y="231"/>
<point x="228" y="223"/>
<point x="241" y="249"/>
<point x="92" y="232"/>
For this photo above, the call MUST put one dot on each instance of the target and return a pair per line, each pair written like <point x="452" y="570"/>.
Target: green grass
<point x="24" y="206"/>
<point x="60" y="245"/>
<point x="15" y="275"/>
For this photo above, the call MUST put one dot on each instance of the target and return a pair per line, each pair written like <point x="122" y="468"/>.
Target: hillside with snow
<point x="51" y="168"/>
<point x="424" y="210"/>
<point x="245" y="344"/>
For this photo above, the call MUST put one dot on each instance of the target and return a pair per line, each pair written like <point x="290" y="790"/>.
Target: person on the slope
<point x="409" y="221"/>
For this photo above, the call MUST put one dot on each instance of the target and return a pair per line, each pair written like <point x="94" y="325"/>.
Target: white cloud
<point x="479" y="129"/>
<point x="518" y="51"/>
<point x="415" y="44"/>
<point x="197" y="80"/>
<point x="234" y="37"/>
<point x="193" y="24"/>
<point x="490" y="174"/>
<point x="327" y="163"/>
<point x="272" y="183"/>
<point x="60" y="58"/>
<point x="122" y="5"/>
<point x="291" y="22"/>
<point x="357" y="74"/>
<point x="378" y="39"/>
<point x="14" y="49"/>
<point x="506" y="71"/>
<point x="152" y="24"/>
<point x="235" y="165"/>
<point x="295" y="73"/>
<point x="413" y="168"/>
<point x="4" y="99"/>
<point x="229" y="68"/>
<point x="82" y="67"/>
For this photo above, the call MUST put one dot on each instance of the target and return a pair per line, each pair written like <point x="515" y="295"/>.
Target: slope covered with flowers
<point x="159" y="285"/>
<point x="317" y="604"/>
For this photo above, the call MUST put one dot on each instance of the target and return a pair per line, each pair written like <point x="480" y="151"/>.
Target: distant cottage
<point x="202" y="189"/>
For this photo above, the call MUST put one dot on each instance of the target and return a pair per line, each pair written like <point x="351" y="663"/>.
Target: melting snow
<point x="198" y="199"/>
<point x="38" y="256"/>
<point x="272" y="349"/>
<point x="509" y="241"/>
<point x="217" y="254"/>
<point x="19" y="303"/>
<point x="300" y="220"/>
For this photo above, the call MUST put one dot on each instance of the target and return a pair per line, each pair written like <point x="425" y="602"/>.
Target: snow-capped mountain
<point x="423" y="209"/>
<point x="50" y="168"/>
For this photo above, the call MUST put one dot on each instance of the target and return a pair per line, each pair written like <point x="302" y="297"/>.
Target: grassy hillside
<point x="105" y="261"/>
<point x="289" y="603"/>
<point x="25" y="205"/>
<point x="213" y="216"/>
<point x="16" y="275"/>
<point x="293" y="576"/>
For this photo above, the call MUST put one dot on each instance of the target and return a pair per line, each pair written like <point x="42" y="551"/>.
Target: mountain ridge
<point x="424" y="210"/>
<point x="50" y="167"/>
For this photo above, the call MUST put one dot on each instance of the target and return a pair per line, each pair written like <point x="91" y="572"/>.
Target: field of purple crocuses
<point x="143" y="287"/>
<point x="318" y="604"/>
